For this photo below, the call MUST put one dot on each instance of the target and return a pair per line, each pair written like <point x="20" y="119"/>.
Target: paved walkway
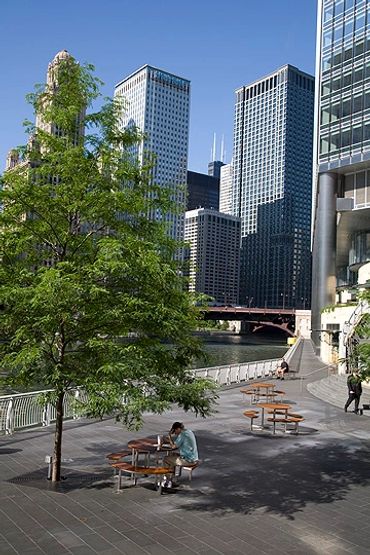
<point x="253" y="494"/>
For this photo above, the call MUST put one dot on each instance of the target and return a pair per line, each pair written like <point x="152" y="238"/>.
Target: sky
<point x="219" y="46"/>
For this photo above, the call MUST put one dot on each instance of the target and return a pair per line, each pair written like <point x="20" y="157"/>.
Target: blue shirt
<point x="187" y="445"/>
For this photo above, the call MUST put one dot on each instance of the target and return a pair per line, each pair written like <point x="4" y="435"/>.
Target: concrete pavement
<point x="253" y="493"/>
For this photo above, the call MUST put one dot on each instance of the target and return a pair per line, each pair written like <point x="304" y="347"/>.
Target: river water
<point x="228" y="348"/>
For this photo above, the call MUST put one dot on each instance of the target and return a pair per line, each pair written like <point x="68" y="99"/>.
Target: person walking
<point x="354" y="390"/>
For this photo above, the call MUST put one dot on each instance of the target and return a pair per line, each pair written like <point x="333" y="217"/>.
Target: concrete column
<point x="324" y="250"/>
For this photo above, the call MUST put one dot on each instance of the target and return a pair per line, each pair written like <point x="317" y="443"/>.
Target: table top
<point x="274" y="406"/>
<point x="148" y="444"/>
<point x="263" y="385"/>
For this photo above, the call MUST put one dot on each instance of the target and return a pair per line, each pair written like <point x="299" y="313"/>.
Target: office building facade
<point x="158" y="103"/>
<point x="214" y="168"/>
<point x="272" y="165"/>
<point x="341" y="190"/>
<point x="202" y="191"/>
<point x="213" y="239"/>
<point x="226" y="189"/>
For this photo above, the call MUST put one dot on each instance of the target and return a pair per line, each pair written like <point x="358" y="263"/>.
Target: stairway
<point x="334" y="390"/>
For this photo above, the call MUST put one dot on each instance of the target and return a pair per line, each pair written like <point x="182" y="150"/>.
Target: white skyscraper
<point x="158" y="104"/>
<point x="226" y="189"/>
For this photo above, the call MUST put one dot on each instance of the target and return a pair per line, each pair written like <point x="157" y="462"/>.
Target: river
<point x="226" y="348"/>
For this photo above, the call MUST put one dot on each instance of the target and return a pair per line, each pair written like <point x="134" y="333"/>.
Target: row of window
<point x="344" y="138"/>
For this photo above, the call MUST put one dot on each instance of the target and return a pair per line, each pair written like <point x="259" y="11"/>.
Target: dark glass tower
<point x="273" y="134"/>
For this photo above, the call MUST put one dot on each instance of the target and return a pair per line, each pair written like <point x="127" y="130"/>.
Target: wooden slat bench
<point x="127" y="468"/>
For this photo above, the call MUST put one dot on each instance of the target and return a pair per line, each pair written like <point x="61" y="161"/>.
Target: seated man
<point x="183" y="440"/>
<point x="282" y="369"/>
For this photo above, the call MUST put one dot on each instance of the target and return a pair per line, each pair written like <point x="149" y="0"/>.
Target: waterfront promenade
<point x="252" y="494"/>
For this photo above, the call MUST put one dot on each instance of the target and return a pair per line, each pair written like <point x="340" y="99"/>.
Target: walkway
<point x="253" y="494"/>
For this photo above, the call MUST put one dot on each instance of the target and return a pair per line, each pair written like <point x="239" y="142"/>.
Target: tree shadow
<point x="276" y="477"/>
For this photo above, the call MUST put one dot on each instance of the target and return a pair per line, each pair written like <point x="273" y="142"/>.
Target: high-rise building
<point x="213" y="240"/>
<point x="202" y="190"/>
<point x="226" y="189"/>
<point x="214" y="168"/>
<point x="341" y="192"/>
<point x="272" y="161"/>
<point x="158" y="103"/>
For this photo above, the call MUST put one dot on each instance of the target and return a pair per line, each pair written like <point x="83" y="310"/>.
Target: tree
<point x="91" y="292"/>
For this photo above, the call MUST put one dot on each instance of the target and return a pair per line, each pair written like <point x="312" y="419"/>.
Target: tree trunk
<point x="57" y="457"/>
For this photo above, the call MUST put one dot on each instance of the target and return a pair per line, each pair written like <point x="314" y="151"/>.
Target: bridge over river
<point x="251" y="319"/>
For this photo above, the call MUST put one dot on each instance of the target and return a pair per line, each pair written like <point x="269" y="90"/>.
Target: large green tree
<point x="91" y="291"/>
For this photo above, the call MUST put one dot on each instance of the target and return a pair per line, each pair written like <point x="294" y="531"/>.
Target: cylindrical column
<point x="324" y="250"/>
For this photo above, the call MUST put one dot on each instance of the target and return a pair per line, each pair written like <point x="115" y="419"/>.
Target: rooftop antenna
<point x="214" y="147"/>
<point x="222" y="149"/>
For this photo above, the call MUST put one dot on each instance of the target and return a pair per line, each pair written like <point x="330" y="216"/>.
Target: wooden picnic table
<point x="274" y="407"/>
<point x="258" y="390"/>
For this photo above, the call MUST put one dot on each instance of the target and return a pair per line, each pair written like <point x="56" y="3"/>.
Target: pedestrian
<point x="184" y="440"/>
<point x="354" y="390"/>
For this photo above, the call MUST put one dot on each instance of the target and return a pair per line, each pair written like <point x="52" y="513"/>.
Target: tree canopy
<point x="91" y="289"/>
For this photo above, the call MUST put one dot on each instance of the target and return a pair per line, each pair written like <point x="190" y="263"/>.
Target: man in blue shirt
<point x="183" y="440"/>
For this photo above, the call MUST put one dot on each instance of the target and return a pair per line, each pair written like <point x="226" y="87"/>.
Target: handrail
<point x="19" y="411"/>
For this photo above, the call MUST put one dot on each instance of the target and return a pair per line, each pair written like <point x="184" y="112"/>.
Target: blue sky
<point x="218" y="45"/>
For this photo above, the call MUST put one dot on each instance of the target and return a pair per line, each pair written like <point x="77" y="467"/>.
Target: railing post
<point x="77" y="396"/>
<point x="46" y="415"/>
<point x="9" y="418"/>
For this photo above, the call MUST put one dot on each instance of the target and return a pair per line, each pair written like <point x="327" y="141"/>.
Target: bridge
<point x="255" y="318"/>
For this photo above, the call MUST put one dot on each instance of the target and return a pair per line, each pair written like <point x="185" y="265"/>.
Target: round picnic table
<point x="273" y="406"/>
<point x="257" y="390"/>
<point x="147" y="445"/>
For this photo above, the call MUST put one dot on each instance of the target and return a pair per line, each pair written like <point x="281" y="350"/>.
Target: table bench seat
<point x="158" y="471"/>
<point x="251" y="414"/>
<point x="286" y="420"/>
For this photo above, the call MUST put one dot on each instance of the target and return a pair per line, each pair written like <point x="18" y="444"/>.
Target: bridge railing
<point x="26" y="410"/>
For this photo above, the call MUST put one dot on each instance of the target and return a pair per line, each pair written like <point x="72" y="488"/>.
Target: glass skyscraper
<point x="158" y="103"/>
<point x="341" y="193"/>
<point x="272" y="165"/>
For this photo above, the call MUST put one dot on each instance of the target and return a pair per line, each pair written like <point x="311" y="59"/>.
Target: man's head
<point x="177" y="428"/>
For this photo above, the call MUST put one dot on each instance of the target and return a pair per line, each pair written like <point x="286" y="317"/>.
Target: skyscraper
<point x="226" y="189"/>
<point x="213" y="240"/>
<point x="273" y="133"/>
<point x="158" y="104"/>
<point x="341" y="193"/>
<point x="202" y="191"/>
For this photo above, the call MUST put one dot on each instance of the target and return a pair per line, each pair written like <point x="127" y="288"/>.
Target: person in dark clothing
<point x="282" y="369"/>
<point x="354" y="390"/>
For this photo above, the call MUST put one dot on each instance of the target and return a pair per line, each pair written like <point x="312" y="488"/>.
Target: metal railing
<point x="346" y="337"/>
<point x="26" y="410"/>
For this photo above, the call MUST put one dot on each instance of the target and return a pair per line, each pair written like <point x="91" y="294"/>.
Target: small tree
<point x="90" y="290"/>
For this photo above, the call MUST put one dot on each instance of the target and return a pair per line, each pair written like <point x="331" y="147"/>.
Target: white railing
<point x="347" y="332"/>
<point x="245" y="371"/>
<point x="25" y="410"/>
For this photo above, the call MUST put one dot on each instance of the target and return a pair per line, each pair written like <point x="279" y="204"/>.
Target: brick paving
<point x="252" y="494"/>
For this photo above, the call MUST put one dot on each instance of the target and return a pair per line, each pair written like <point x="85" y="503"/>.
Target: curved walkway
<point x="253" y="494"/>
